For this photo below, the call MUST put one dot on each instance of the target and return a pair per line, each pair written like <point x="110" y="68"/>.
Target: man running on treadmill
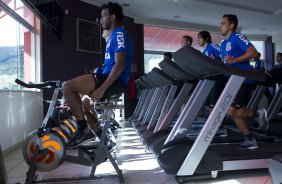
<point x="278" y="60"/>
<point x="210" y="49"/>
<point x="115" y="75"/>
<point x="236" y="50"/>
<point x="168" y="55"/>
<point x="186" y="41"/>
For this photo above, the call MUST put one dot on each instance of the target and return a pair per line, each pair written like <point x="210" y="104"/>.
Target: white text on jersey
<point x="120" y="39"/>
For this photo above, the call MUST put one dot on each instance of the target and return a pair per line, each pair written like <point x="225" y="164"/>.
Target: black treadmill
<point x="156" y="100"/>
<point x="144" y="101"/>
<point x="144" y="89"/>
<point x="275" y="168"/>
<point x="154" y="137"/>
<point x="155" y="141"/>
<point x="200" y="158"/>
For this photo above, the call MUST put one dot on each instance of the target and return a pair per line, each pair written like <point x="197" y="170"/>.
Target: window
<point x="11" y="53"/>
<point x="21" y="10"/>
<point x="151" y="61"/>
<point x="158" y="40"/>
<point x="88" y="36"/>
<point x="17" y="51"/>
<point x="260" y="46"/>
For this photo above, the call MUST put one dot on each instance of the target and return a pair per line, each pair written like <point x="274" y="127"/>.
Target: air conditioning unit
<point x="88" y="36"/>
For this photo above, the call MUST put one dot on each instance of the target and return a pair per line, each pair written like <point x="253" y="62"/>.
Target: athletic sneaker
<point x="248" y="144"/>
<point x="221" y="132"/>
<point x="79" y="138"/>
<point x="262" y="120"/>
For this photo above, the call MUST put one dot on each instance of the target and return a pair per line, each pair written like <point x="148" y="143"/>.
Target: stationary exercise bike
<point x="45" y="149"/>
<point x="114" y="125"/>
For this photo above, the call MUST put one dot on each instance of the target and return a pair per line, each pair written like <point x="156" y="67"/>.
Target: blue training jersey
<point x="235" y="46"/>
<point x="213" y="50"/>
<point x="278" y="66"/>
<point x="119" y="41"/>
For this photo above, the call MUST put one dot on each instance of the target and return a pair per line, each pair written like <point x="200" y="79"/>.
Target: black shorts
<point x="243" y="96"/>
<point x="116" y="89"/>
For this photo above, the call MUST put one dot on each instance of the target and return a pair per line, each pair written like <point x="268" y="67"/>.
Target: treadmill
<point x="197" y="99"/>
<point x="145" y="101"/>
<point x="145" y="89"/>
<point x="156" y="99"/>
<point x="275" y="167"/>
<point x="166" y="84"/>
<point x="141" y="107"/>
<point x="200" y="159"/>
<point x="153" y="138"/>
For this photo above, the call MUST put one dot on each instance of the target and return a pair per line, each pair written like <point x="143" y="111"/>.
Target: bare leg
<point x="240" y="116"/>
<point x="84" y="84"/>
<point x="91" y="116"/>
<point x="92" y="120"/>
<point x="242" y="124"/>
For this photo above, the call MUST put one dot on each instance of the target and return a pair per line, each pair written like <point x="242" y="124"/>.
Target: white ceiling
<point x="256" y="17"/>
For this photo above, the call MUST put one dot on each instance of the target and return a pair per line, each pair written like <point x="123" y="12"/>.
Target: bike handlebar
<point x="47" y="84"/>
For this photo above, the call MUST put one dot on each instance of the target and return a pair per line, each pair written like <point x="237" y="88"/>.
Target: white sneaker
<point x="221" y="132"/>
<point x="248" y="144"/>
<point x="262" y="120"/>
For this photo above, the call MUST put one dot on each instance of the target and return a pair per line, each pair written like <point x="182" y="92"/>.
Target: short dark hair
<point x="168" y="54"/>
<point x="232" y="19"/>
<point x="279" y="54"/>
<point x="188" y="38"/>
<point x="205" y="35"/>
<point x="114" y="9"/>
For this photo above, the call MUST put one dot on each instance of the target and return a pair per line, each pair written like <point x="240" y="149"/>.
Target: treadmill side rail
<point x="275" y="167"/>
<point x="245" y="164"/>
<point x="211" y="126"/>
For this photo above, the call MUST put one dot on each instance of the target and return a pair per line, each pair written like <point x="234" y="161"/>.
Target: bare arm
<point x="249" y="54"/>
<point x="113" y="76"/>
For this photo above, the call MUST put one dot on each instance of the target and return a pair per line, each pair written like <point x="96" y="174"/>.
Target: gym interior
<point x="162" y="127"/>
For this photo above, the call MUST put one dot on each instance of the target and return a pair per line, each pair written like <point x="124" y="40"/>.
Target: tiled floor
<point x="138" y="166"/>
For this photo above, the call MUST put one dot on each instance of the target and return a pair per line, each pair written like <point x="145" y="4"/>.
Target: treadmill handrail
<point x="205" y="63"/>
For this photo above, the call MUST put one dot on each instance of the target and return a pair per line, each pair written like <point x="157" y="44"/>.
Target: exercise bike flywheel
<point x="52" y="150"/>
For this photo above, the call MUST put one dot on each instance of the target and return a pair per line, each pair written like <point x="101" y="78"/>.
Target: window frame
<point x="35" y="41"/>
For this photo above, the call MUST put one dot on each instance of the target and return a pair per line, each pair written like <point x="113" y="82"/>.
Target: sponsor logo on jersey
<point x="228" y="46"/>
<point x="243" y="38"/>
<point x="216" y="46"/>
<point x="108" y="43"/>
<point x="107" y="56"/>
<point x="120" y="40"/>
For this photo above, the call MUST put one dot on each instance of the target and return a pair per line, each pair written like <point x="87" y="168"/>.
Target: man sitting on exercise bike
<point x="114" y="77"/>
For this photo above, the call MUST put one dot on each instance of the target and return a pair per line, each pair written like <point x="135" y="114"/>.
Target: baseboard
<point x="12" y="148"/>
